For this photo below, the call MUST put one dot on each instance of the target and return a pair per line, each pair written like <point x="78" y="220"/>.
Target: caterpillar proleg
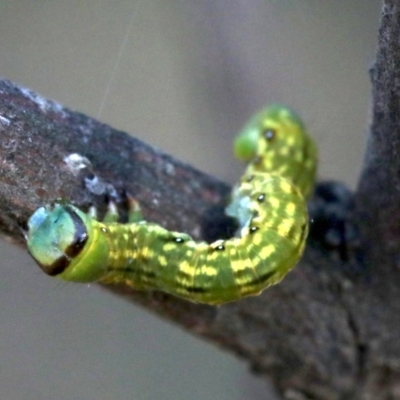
<point x="269" y="203"/>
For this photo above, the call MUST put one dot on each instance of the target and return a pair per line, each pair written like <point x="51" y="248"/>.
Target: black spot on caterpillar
<point x="268" y="203"/>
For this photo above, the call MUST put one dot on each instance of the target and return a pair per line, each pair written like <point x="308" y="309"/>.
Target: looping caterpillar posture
<point x="268" y="202"/>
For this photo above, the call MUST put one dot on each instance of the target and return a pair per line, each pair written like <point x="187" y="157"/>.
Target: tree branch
<point x="277" y="331"/>
<point x="329" y="331"/>
<point x="378" y="194"/>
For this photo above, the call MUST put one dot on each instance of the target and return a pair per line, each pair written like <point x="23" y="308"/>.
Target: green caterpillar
<point x="268" y="202"/>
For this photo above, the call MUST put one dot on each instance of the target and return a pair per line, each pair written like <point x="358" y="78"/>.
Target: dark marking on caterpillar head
<point x="57" y="267"/>
<point x="220" y="247"/>
<point x="77" y="244"/>
<point x="80" y="234"/>
<point x="178" y="240"/>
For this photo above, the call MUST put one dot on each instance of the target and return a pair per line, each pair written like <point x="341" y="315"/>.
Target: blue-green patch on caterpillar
<point x="268" y="202"/>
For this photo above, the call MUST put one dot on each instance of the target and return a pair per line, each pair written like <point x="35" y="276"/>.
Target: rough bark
<point x="330" y="330"/>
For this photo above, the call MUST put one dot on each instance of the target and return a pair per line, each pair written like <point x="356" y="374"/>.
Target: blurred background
<point x="183" y="76"/>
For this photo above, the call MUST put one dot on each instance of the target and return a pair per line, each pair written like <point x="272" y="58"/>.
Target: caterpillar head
<point x="59" y="237"/>
<point x="275" y="141"/>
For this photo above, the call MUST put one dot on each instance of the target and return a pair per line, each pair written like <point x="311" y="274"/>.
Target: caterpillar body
<point x="268" y="202"/>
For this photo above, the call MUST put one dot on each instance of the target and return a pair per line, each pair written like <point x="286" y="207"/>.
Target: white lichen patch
<point x="98" y="187"/>
<point x="170" y="169"/>
<point x="76" y="163"/>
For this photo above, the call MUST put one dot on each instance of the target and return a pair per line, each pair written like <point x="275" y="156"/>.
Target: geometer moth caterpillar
<point x="268" y="203"/>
